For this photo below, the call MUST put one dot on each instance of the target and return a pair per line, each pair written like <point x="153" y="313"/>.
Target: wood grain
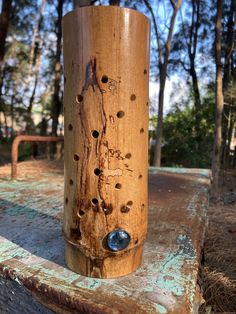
<point x="106" y="66"/>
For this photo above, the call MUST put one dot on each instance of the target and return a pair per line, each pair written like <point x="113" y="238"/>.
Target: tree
<point x="81" y="3"/>
<point x="56" y="99"/>
<point x="4" y="23"/>
<point x="34" y="64"/>
<point x="35" y="47"/>
<point x="219" y="102"/>
<point x="14" y="87"/>
<point x="185" y="44"/>
<point x="192" y="49"/>
<point x="229" y="79"/>
<point x="181" y="147"/>
<point x="163" y="58"/>
<point x="192" y="46"/>
<point x="114" y="2"/>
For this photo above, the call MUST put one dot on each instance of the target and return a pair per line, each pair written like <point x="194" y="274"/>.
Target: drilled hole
<point x="97" y="171"/>
<point x="145" y="71"/>
<point x="142" y="130"/>
<point x="64" y="80"/>
<point x="66" y="200"/>
<point x="79" y="98"/>
<point x="94" y="201"/>
<point x="118" y="186"/>
<point x="81" y="212"/>
<point x="133" y="97"/>
<point x="95" y="134"/>
<point x="108" y="209"/>
<point x="125" y="209"/>
<point x="71" y="182"/>
<point x="129" y="203"/>
<point x="104" y="79"/>
<point x="120" y="114"/>
<point x="147" y="104"/>
<point x="140" y="176"/>
<point x="75" y="234"/>
<point x="128" y="156"/>
<point x="76" y="157"/>
<point x="70" y="127"/>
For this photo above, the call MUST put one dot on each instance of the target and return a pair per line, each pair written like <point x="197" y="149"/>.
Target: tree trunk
<point x="5" y="122"/>
<point x="114" y="2"/>
<point x="197" y="101"/>
<point x="159" y="133"/>
<point x="228" y="78"/>
<point x="230" y="134"/>
<point x="29" y="122"/>
<point x="12" y="117"/>
<point x="4" y="23"/>
<point x="35" y="47"/>
<point x="219" y="103"/>
<point x="81" y="3"/>
<point x="234" y="158"/>
<point x="163" y="60"/>
<point x="192" y="49"/>
<point x="34" y="65"/>
<point x="31" y="101"/>
<point x="196" y="93"/>
<point x="2" y="76"/>
<point x="56" y="101"/>
<point x="229" y="46"/>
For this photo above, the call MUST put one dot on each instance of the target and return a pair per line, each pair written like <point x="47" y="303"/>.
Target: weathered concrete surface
<point x="32" y="246"/>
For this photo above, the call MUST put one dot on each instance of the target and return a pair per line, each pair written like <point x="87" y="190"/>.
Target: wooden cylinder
<point x="106" y="68"/>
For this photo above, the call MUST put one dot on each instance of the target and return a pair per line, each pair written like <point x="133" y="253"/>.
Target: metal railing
<point x="27" y="138"/>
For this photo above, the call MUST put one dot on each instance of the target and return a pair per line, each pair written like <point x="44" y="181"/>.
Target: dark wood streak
<point x="92" y="81"/>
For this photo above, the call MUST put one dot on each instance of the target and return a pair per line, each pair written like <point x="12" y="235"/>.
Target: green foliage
<point x="182" y="145"/>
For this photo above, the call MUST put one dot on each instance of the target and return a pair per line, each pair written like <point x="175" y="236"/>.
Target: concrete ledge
<point x="32" y="247"/>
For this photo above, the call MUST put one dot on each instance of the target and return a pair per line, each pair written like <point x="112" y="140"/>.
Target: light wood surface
<point x="106" y="68"/>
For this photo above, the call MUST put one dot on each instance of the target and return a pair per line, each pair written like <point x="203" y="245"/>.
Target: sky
<point x="153" y="94"/>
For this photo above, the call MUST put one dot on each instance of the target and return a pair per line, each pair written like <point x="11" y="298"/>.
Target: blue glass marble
<point x="118" y="240"/>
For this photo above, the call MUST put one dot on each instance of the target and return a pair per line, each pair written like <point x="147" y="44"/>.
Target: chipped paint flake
<point x="161" y="309"/>
<point x="171" y="276"/>
<point x="89" y="283"/>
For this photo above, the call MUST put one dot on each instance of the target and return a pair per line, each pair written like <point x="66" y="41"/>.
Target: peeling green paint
<point x="119" y="291"/>
<point x="34" y="205"/>
<point x="148" y="289"/>
<point x="161" y="309"/>
<point x="89" y="283"/>
<point x="171" y="267"/>
<point x="171" y="276"/>
<point x="9" y="250"/>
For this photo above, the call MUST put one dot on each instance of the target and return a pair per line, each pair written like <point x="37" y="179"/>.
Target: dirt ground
<point x="218" y="273"/>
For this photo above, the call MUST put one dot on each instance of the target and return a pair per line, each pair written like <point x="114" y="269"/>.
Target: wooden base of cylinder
<point x="110" y="267"/>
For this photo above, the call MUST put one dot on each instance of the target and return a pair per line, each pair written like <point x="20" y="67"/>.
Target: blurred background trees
<point x="184" y="64"/>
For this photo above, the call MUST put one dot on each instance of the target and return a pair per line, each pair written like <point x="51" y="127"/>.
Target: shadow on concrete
<point x="37" y="232"/>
